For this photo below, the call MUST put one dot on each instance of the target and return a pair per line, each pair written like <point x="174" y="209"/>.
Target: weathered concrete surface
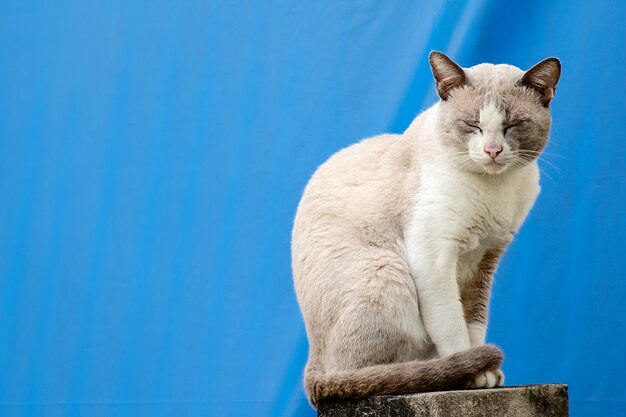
<point x="548" y="400"/>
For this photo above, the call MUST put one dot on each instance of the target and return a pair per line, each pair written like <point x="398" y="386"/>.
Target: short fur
<point x="397" y="237"/>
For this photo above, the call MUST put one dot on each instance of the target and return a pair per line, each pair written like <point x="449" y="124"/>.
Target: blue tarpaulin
<point x="152" y="155"/>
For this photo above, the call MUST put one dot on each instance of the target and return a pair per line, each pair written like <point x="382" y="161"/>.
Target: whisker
<point x="544" y="172"/>
<point x="552" y="154"/>
<point x="550" y="164"/>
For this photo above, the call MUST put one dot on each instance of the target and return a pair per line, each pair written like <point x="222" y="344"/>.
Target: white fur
<point x="459" y="218"/>
<point x="410" y="322"/>
<point x="491" y="124"/>
<point x="491" y="119"/>
<point x="488" y="379"/>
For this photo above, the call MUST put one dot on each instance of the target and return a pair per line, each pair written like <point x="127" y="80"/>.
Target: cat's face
<point x="493" y="118"/>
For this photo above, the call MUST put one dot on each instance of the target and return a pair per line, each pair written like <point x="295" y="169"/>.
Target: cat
<point x="396" y="238"/>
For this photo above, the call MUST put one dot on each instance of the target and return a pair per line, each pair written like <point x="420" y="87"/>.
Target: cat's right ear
<point x="448" y="74"/>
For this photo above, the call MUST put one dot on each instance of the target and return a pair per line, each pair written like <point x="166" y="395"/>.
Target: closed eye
<point x="472" y="126"/>
<point x="512" y="126"/>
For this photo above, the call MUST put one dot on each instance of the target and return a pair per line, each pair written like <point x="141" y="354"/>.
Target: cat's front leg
<point x="475" y="306"/>
<point x="477" y="330"/>
<point x="475" y="298"/>
<point x="433" y="268"/>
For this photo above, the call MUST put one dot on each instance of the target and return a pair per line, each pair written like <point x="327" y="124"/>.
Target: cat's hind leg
<point x="374" y="342"/>
<point x="378" y="320"/>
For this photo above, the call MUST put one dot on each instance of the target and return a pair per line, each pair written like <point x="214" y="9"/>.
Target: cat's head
<point x="493" y="118"/>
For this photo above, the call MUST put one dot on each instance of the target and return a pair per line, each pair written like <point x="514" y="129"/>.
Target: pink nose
<point x="493" y="150"/>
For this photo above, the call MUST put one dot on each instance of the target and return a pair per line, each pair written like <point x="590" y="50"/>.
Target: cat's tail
<point x="442" y="374"/>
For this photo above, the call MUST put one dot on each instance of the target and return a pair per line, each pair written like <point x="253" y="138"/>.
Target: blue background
<point x="152" y="155"/>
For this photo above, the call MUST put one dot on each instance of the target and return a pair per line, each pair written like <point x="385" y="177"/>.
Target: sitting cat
<point x="397" y="237"/>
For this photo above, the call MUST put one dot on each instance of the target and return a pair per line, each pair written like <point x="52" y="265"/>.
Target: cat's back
<point x="361" y="186"/>
<point x="351" y="214"/>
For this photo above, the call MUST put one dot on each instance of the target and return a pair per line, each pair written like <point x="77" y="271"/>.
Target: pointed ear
<point x="543" y="78"/>
<point x="448" y="74"/>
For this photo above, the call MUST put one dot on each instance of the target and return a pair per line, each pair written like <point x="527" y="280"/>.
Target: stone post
<point x="549" y="400"/>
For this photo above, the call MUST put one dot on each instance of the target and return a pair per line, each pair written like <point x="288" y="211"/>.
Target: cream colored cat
<point x="397" y="237"/>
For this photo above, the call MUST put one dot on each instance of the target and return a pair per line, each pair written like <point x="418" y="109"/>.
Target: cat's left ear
<point x="448" y="74"/>
<point x="543" y="78"/>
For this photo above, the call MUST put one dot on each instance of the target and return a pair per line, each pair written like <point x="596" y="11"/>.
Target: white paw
<point x="488" y="379"/>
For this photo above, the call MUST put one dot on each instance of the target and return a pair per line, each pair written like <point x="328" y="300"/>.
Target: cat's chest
<point x="474" y="212"/>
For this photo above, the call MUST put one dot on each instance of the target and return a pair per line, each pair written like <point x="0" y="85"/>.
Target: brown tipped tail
<point x="450" y="372"/>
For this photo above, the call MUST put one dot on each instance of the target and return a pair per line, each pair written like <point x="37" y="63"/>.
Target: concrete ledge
<point x="549" y="400"/>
